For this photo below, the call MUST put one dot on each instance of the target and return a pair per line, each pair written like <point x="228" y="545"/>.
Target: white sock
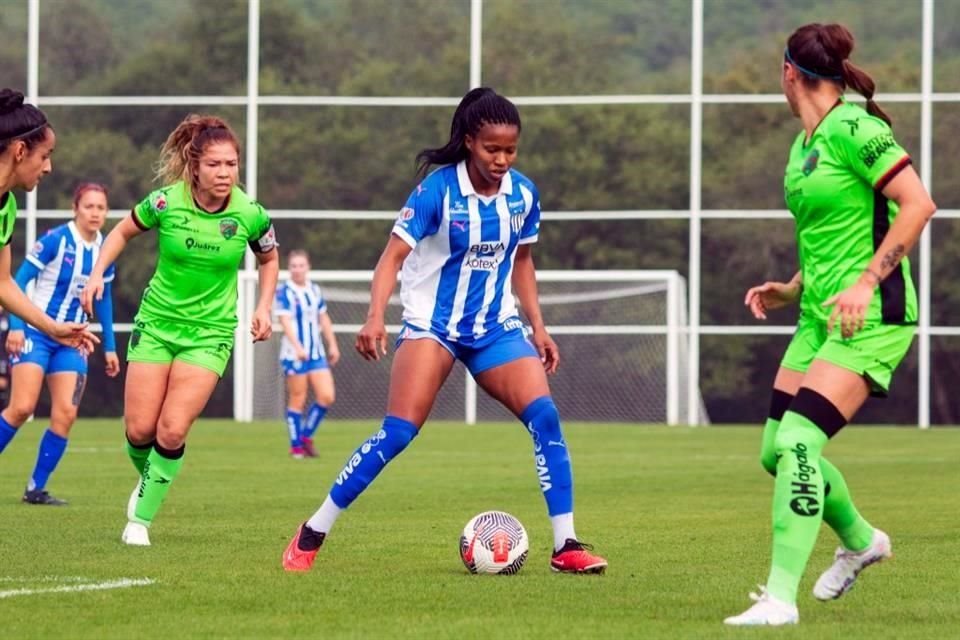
<point x="562" y="529"/>
<point x="325" y="516"/>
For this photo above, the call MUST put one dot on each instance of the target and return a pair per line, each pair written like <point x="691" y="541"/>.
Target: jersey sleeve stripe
<point x="35" y="262"/>
<point x="401" y="233"/>
<point x="902" y="164"/>
<point x="136" y="221"/>
<point x="529" y="240"/>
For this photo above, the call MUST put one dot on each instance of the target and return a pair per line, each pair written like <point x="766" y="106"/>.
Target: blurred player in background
<point x="26" y="144"/>
<point x="302" y="311"/>
<point x="859" y="208"/>
<point x="464" y="241"/>
<point x="184" y="329"/>
<point x="60" y="263"/>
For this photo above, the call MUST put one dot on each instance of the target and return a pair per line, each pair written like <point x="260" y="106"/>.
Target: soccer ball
<point x="494" y="542"/>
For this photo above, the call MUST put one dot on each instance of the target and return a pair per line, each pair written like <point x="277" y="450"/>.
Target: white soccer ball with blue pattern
<point x="494" y="542"/>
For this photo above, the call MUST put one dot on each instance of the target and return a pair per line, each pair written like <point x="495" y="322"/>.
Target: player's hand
<point x="75" y="334"/>
<point x="372" y="339"/>
<point x="92" y="292"/>
<point x="261" y="328"/>
<point x="15" y="342"/>
<point x="300" y="354"/>
<point x="548" y="350"/>
<point x="113" y="364"/>
<point x="333" y="357"/>
<point x="850" y="305"/>
<point x="770" y="296"/>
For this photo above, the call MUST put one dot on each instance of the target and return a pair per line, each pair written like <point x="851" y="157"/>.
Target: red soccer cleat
<point x="575" y="557"/>
<point x="307" y="445"/>
<point x="297" y="452"/>
<point x="298" y="558"/>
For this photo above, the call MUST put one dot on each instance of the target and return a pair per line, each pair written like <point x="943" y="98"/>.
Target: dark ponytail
<point x="479" y="107"/>
<point x="822" y="51"/>
<point x="19" y="121"/>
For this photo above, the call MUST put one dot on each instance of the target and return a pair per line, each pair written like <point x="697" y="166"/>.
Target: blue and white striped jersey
<point x="65" y="261"/>
<point x="456" y="282"/>
<point x="304" y="305"/>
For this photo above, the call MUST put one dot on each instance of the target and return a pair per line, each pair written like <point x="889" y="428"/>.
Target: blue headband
<point x="812" y="74"/>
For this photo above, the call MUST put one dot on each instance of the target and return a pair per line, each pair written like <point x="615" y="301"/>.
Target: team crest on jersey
<point x="37" y="249"/>
<point x="811" y="162"/>
<point x="406" y="214"/>
<point x="160" y="204"/>
<point x="228" y="228"/>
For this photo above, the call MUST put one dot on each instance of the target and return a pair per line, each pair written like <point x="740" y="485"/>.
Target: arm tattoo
<point x="892" y="259"/>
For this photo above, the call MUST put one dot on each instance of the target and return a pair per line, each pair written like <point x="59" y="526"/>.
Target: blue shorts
<point x="498" y="347"/>
<point x="302" y="367"/>
<point x="53" y="357"/>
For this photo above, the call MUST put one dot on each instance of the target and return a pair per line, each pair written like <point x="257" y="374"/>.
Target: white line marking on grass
<point x="95" y="449"/>
<point x="122" y="583"/>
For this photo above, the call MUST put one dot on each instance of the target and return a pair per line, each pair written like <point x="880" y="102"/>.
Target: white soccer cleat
<point x="136" y="534"/>
<point x="767" y="611"/>
<point x="847" y="565"/>
<point x="132" y="502"/>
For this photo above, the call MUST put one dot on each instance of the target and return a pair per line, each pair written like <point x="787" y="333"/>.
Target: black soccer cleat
<point x="41" y="496"/>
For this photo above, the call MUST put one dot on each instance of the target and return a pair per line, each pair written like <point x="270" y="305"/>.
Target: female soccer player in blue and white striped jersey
<point x="59" y="263"/>
<point x="464" y="242"/>
<point x="302" y="312"/>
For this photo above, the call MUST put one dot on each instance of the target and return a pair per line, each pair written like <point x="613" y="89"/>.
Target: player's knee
<point x="326" y="397"/>
<point x="62" y="419"/>
<point x="542" y="419"/>
<point x="297" y="401"/>
<point x="19" y="411"/>
<point x="139" y="428"/>
<point x="171" y="433"/>
<point x="797" y="439"/>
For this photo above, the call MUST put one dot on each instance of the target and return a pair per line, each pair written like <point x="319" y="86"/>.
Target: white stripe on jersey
<point x="463" y="284"/>
<point x="491" y="290"/>
<point x="420" y="276"/>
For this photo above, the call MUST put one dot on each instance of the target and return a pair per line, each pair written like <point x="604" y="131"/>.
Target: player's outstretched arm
<point x="112" y="247"/>
<point x="267" y="273"/>
<point x="372" y="339"/>
<point x="18" y="304"/>
<point x="525" y="284"/>
<point x="773" y="295"/>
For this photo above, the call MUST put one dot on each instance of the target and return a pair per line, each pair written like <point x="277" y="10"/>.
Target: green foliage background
<point x="582" y="157"/>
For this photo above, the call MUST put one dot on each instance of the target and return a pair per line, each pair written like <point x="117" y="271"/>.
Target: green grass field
<point x="681" y="514"/>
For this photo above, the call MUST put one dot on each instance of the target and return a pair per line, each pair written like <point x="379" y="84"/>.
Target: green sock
<point x="138" y="455"/>
<point x="797" y="503"/>
<point x="161" y="469"/>
<point x="839" y="512"/>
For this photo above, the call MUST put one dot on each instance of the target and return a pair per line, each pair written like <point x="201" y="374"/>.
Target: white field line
<point x="122" y="583"/>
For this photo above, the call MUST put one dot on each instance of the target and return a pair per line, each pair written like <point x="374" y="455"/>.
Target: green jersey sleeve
<point x="870" y="149"/>
<point x="147" y="213"/>
<point x="8" y="217"/>
<point x="264" y="237"/>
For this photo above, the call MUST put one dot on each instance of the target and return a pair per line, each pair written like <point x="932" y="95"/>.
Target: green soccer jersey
<point x="8" y="216"/>
<point x="833" y="186"/>
<point x="199" y="253"/>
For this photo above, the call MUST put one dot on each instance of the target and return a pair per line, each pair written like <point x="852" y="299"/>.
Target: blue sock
<point x="370" y="459"/>
<point x="294" y="422"/>
<point x="314" y="418"/>
<point x="6" y="433"/>
<point x="550" y="454"/>
<point x="52" y="447"/>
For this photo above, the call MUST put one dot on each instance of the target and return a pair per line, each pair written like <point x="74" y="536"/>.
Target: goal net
<point x="621" y="336"/>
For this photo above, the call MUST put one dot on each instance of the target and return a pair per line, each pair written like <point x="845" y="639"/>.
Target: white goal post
<point x="622" y="338"/>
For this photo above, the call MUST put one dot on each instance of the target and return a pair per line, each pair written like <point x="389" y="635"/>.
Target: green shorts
<point x="164" y="341"/>
<point x="873" y="352"/>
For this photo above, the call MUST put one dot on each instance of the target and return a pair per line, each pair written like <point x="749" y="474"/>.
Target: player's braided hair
<point x="822" y="53"/>
<point x="19" y="121"/>
<point x="180" y="154"/>
<point x="479" y="107"/>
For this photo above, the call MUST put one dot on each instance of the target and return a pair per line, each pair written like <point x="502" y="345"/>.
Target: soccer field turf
<point x="681" y="514"/>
